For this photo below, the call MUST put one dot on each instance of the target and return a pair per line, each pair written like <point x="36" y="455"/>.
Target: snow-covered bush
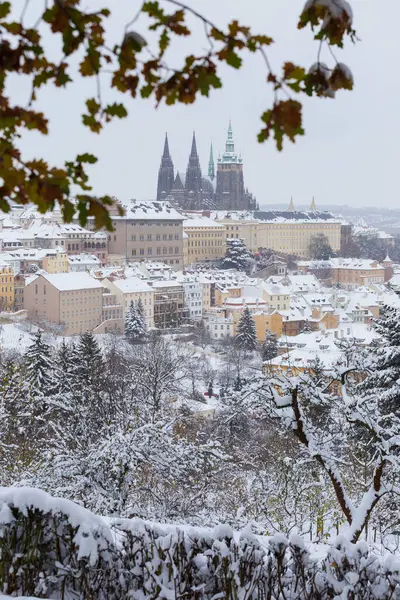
<point x="55" y="549"/>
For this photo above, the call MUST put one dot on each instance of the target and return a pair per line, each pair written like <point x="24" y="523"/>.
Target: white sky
<point x="348" y="156"/>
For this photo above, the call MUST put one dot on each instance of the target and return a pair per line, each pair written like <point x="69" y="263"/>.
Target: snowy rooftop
<point x="197" y="222"/>
<point x="150" y="209"/>
<point x="132" y="285"/>
<point x="71" y="281"/>
<point x="87" y="259"/>
<point x="355" y="263"/>
<point x="166" y="283"/>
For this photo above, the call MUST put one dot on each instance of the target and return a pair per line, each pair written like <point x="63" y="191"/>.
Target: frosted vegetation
<point x="145" y="429"/>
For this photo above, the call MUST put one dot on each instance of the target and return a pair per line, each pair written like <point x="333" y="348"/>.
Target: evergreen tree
<point x="270" y="346"/>
<point x="89" y="362"/>
<point x="237" y="256"/>
<point x="246" y="337"/>
<point x="142" y="313"/>
<point x="307" y="326"/>
<point x="40" y="367"/>
<point x="383" y="378"/>
<point x="67" y="367"/>
<point x="135" y="323"/>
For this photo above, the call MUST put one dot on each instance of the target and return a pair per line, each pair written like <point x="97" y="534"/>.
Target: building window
<point x="149" y="237"/>
<point x="149" y="251"/>
<point x="141" y="238"/>
<point x="141" y="251"/>
<point x="134" y="252"/>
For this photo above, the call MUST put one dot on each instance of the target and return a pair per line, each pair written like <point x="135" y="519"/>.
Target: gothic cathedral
<point x="221" y="191"/>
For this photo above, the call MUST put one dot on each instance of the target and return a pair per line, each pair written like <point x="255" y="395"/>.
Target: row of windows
<point x="159" y="251"/>
<point x="142" y="298"/>
<point x="153" y="224"/>
<point x="212" y="234"/>
<point x="204" y="243"/>
<point x="75" y="301"/>
<point x="157" y="237"/>
<point x="76" y="313"/>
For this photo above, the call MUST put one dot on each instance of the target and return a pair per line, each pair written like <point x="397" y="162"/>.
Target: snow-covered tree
<point x="319" y="247"/>
<point x="40" y="366"/>
<point x="246" y="336"/>
<point x="89" y="361"/>
<point x="269" y="346"/>
<point x="66" y="367"/>
<point x="237" y="255"/>
<point x="383" y="368"/>
<point x="160" y="369"/>
<point x="142" y="312"/>
<point x="135" y="323"/>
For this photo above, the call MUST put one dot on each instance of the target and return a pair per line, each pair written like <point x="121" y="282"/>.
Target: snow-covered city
<point x="199" y="320"/>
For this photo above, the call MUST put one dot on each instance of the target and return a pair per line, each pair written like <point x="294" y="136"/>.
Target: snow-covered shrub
<point x="55" y="549"/>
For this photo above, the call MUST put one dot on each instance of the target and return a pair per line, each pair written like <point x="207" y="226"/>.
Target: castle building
<point x="222" y="189"/>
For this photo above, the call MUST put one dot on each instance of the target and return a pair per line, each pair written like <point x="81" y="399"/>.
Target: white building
<point x="193" y="297"/>
<point x="79" y="263"/>
<point x="218" y="325"/>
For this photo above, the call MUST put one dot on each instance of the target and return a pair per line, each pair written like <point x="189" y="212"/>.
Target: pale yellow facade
<point x="7" y="292"/>
<point x="71" y="300"/>
<point x="246" y="230"/>
<point x="288" y="237"/>
<point x="204" y="241"/>
<point x="127" y="293"/>
<point x="55" y="263"/>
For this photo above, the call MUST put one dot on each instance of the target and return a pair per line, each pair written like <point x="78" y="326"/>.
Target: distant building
<point x="73" y="300"/>
<point x="149" y="231"/>
<point x="285" y="232"/>
<point x="7" y="292"/>
<point x="79" y="263"/>
<point x="133" y="289"/>
<point x="194" y="192"/>
<point x="205" y="239"/>
<point x="169" y="304"/>
<point x="351" y="273"/>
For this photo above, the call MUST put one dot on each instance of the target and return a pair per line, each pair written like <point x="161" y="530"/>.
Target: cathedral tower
<point x="193" y="181"/>
<point x="230" y="192"/>
<point x="165" y="173"/>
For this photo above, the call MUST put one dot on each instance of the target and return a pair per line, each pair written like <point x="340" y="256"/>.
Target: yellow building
<point x="7" y="292"/>
<point x="243" y="229"/>
<point x="206" y="240"/>
<point x="55" y="261"/>
<point x="286" y="235"/>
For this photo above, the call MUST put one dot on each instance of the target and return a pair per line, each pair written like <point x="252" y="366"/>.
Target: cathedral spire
<point x="291" y="205"/>
<point x="193" y="180"/>
<point x="193" y="151"/>
<point x="165" y="172"/>
<point x="166" y="153"/>
<point x="211" y="166"/>
<point x="230" y="142"/>
<point x="313" y="205"/>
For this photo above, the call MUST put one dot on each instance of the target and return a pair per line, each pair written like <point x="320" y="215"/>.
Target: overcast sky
<point x="349" y="154"/>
